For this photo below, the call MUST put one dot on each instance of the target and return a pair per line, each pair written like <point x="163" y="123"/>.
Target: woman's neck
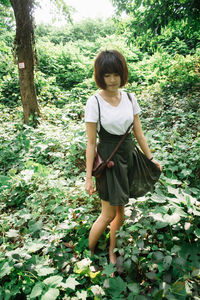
<point x="112" y="97"/>
<point x="111" y="94"/>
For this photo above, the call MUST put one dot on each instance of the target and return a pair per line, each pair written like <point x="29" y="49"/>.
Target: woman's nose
<point x="112" y="78"/>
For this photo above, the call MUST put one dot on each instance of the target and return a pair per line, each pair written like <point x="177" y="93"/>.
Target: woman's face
<point x="112" y="81"/>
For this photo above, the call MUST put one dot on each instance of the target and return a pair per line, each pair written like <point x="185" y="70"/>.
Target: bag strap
<point x="120" y="142"/>
<point x="122" y="138"/>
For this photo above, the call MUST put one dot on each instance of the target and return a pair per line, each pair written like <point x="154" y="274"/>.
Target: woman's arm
<point x="91" y="129"/>
<point x="139" y="134"/>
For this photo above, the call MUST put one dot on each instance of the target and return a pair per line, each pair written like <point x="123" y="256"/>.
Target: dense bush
<point x="66" y="63"/>
<point x="87" y="30"/>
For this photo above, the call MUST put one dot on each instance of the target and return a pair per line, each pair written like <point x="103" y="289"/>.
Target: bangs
<point x="111" y="64"/>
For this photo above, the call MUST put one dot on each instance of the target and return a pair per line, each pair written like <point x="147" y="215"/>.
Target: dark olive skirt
<point x="114" y="184"/>
<point x="133" y="174"/>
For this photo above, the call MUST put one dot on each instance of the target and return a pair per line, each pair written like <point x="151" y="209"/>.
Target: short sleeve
<point x="136" y="107"/>
<point x="91" y="110"/>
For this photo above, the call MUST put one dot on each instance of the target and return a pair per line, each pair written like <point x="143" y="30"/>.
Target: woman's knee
<point x="108" y="217"/>
<point x="108" y="211"/>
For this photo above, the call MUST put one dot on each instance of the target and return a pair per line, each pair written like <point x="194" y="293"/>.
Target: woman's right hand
<point x="89" y="186"/>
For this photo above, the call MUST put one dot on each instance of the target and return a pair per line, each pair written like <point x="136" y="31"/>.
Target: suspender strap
<point x="99" y="110"/>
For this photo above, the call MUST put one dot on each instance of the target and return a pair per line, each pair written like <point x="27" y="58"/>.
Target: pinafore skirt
<point x="114" y="184"/>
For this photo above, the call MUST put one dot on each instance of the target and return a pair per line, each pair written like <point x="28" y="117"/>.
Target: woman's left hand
<point x="157" y="164"/>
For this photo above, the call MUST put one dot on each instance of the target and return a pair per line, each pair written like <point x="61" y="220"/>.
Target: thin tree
<point x="25" y="50"/>
<point x="24" y="47"/>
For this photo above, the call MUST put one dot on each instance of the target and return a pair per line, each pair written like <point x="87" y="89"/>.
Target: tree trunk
<point x="24" y="42"/>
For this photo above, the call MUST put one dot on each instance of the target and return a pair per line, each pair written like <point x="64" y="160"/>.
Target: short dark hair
<point x="108" y="62"/>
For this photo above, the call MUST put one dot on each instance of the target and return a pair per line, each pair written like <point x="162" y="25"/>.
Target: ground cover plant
<point x="45" y="214"/>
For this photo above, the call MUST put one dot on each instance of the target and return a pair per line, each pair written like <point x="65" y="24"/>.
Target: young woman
<point x="110" y="112"/>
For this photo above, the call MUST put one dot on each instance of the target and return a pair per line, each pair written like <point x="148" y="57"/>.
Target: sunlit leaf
<point x="97" y="290"/>
<point x="44" y="270"/>
<point x="37" y="290"/>
<point x="197" y="232"/>
<point x="51" y="294"/>
<point x="34" y="246"/>
<point x="53" y="280"/>
<point x="5" y="269"/>
<point x="71" y="283"/>
<point x="172" y="219"/>
<point x="82" y="295"/>
<point x="12" y="233"/>
<point x="82" y="266"/>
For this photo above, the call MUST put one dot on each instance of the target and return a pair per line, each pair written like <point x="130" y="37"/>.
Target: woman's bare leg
<point x="114" y="226"/>
<point x="108" y="214"/>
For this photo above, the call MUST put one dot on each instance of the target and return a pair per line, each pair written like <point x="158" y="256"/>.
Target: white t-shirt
<point x="114" y="119"/>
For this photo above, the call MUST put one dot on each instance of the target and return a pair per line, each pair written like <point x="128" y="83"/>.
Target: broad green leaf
<point x="5" y="269"/>
<point x="172" y="219"/>
<point x="82" y="295"/>
<point x="37" y="290"/>
<point x="197" y="232"/>
<point x="128" y="264"/>
<point x="51" y="294"/>
<point x="158" y="198"/>
<point x="44" y="270"/>
<point x="53" y="280"/>
<point x="67" y="225"/>
<point x="175" y="249"/>
<point x="109" y="269"/>
<point x="116" y="286"/>
<point x="12" y="233"/>
<point x="35" y="226"/>
<point x="71" y="283"/>
<point x="97" y="290"/>
<point x="167" y="262"/>
<point x="151" y="275"/>
<point x="158" y="217"/>
<point x="174" y="192"/>
<point x="134" y="288"/>
<point x="34" y="246"/>
<point x="82" y="266"/>
<point x="158" y="256"/>
<point x="173" y="181"/>
<point x="179" y="288"/>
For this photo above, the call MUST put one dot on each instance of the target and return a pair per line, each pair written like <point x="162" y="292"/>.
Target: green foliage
<point x="9" y="89"/>
<point x="155" y="15"/>
<point x="46" y="214"/>
<point x="65" y="63"/>
<point x="87" y="30"/>
<point x="6" y="16"/>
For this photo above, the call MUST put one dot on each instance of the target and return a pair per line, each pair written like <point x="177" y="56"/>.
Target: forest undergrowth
<point x="46" y="214"/>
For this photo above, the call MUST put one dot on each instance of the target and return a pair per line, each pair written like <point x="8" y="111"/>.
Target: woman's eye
<point x="114" y="74"/>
